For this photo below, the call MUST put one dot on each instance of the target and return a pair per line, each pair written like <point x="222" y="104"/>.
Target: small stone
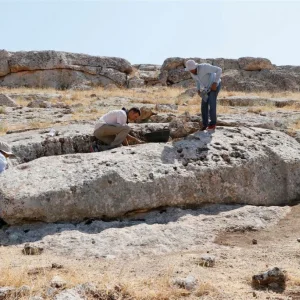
<point x="254" y="242"/>
<point x="298" y="240"/>
<point x="274" y="275"/>
<point x="56" y="266"/>
<point x="57" y="282"/>
<point x="6" y="291"/>
<point x="185" y="162"/>
<point x="32" y="250"/>
<point x="273" y="285"/>
<point x="207" y="261"/>
<point x="151" y="176"/>
<point x="188" y="283"/>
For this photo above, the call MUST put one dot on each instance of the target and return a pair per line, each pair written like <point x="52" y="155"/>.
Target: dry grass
<point x="272" y="108"/>
<point x="289" y="95"/>
<point x="296" y="125"/>
<point x="206" y="288"/>
<point x="196" y="109"/>
<point x="2" y="110"/>
<point x="33" y="124"/>
<point x="3" y="128"/>
<point x="260" y="109"/>
<point x="36" y="272"/>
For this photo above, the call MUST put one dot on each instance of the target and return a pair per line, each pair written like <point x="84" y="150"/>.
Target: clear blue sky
<point x="151" y="31"/>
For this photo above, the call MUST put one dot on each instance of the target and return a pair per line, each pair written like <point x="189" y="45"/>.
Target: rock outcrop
<point x="61" y="70"/>
<point x="243" y="74"/>
<point x="5" y="100"/>
<point x="64" y="70"/>
<point x="233" y="165"/>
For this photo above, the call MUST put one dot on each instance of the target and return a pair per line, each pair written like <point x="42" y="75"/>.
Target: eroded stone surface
<point x="233" y="165"/>
<point x="154" y="233"/>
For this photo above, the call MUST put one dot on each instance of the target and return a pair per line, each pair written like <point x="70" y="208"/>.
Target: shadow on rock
<point x="29" y="233"/>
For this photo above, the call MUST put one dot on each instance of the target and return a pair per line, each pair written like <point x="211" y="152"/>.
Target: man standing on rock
<point x="5" y="152"/>
<point x="208" y="80"/>
<point x="112" y="128"/>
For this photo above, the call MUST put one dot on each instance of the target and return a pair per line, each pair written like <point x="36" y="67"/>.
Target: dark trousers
<point x="209" y="108"/>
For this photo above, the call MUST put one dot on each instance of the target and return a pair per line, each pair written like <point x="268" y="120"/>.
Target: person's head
<point x="133" y="113"/>
<point x="5" y="149"/>
<point x="191" y="66"/>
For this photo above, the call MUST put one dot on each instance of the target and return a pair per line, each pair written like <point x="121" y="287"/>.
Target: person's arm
<point x="134" y="139"/>
<point x="213" y="69"/>
<point x="198" y="87"/>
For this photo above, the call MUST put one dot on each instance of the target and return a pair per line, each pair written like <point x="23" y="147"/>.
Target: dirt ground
<point x="150" y="276"/>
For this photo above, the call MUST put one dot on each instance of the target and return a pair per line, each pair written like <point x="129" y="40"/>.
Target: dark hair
<point x="135" y="109"/>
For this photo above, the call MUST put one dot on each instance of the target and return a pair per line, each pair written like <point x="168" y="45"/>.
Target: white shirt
<point x="112" y="117"/>
<point x="3" y="163"/>
<point x="206" y="75"/>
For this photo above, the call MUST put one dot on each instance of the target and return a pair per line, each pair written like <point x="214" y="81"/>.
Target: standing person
<point x="5" y="152"/>
<point x="112" y="128"/>
<point x="208" y="80"/>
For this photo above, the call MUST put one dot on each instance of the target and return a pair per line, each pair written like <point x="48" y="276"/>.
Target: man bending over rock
<point x="208" y="80"/>
<point x="112" y="128"/>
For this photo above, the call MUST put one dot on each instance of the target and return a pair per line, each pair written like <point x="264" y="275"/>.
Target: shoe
<point x="211" y="127"/>
<point x="105" y="147"/>
<point x="94" y="148"/>
<point x="203" y="128"/>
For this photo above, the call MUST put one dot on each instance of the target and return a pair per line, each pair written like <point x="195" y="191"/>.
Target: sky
<point x="151" y="31"/>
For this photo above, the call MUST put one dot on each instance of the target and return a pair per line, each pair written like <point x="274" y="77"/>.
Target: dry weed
<point x="205" y="288"/>
<point x="296" y="125"/>
<point x="3" y="128"/>
<point x="2" y="110"/>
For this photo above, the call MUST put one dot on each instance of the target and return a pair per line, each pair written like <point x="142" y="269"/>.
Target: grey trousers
<point x="112" y="134"/>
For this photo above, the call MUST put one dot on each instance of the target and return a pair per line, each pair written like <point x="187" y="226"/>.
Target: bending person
<point x="208" y="81"/>
<point x="112" y="128"/>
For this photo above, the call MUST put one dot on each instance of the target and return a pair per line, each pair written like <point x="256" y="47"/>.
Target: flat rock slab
<point x="233" y="165"/>
<point x="32" y="144"/>
<point x="157" y="232"/>
<point x="253" y="120"/>
<point x="257" y="101"/>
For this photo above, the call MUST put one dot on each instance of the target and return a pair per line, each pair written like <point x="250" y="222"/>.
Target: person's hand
<point x="139" y="141"/>
<point x="214" y="86"/>
<point x="199" y="93"/>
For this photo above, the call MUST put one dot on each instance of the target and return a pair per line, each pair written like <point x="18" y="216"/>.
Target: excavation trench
<point x="30" y="145"/>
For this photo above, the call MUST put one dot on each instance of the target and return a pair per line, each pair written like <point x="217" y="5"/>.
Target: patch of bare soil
<point x="151" y="276"/>
<point x="276" y="245"/>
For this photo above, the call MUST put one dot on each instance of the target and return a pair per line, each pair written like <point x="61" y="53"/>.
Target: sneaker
<point x="211" y="127"/>
<point x="203" y="128"/>
<point x="94" y="148"/>
<point x="105" y="147"/>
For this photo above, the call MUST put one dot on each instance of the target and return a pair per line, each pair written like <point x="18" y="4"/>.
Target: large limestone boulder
<point x="144" y="75"/>
<point x="4" y="66"/>
<point x="235" y="165"/>
<point x="255" y="64"/>
<point x="61" y="70"/>
<point x="48" y="60"/>
<point x="5" y="100"/>
<point x="61" y="79"/>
